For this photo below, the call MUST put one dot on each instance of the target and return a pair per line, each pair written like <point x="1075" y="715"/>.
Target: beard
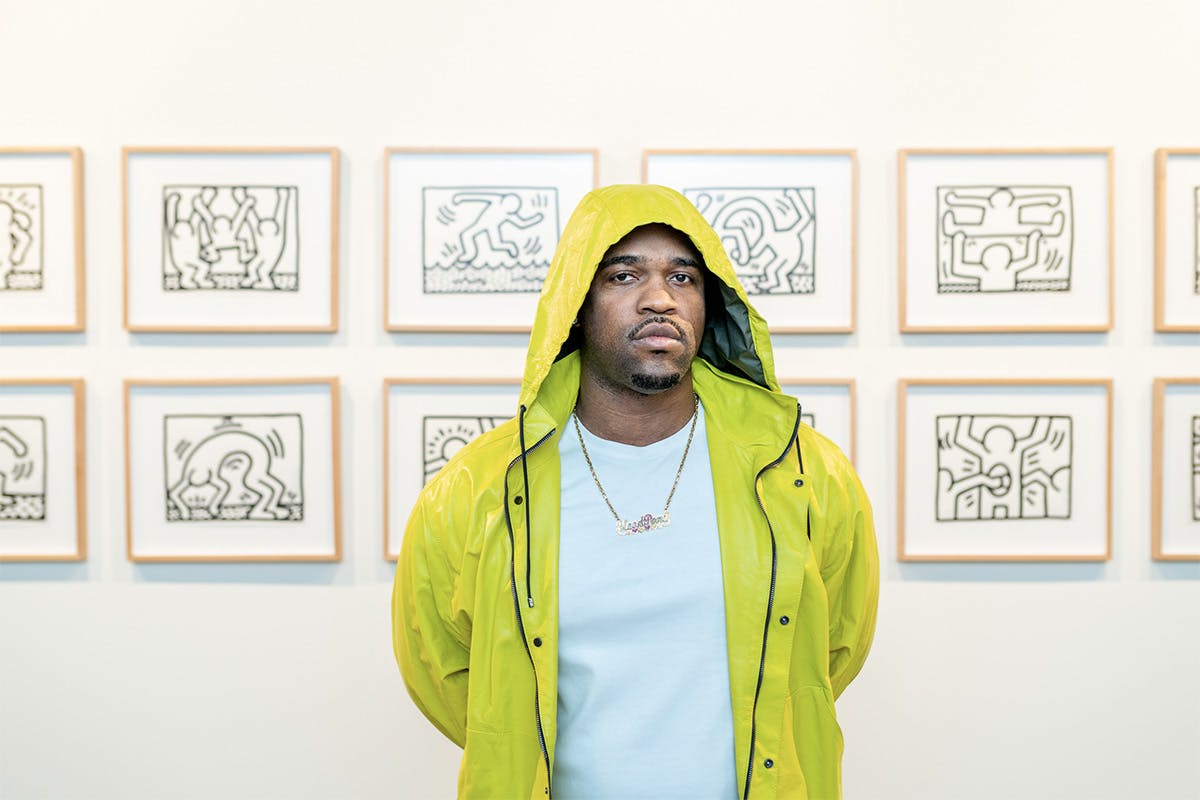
<point x="654" y="383"/>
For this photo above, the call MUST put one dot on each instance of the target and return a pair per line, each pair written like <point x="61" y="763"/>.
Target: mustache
<point x="641" y="326"/>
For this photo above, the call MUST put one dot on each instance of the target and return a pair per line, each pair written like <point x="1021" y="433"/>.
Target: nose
<point x="657" y="297"/>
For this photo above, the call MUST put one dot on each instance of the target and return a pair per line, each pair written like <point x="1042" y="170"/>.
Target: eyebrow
<point x="678" y="261"/>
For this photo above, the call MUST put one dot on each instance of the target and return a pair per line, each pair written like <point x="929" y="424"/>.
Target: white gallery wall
<point x="997" y="680"/>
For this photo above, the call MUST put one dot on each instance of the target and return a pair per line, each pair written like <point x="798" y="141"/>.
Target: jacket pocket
<point x="812" y="746"/>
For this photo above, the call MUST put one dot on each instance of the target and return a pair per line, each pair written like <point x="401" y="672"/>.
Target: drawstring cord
<point x="525" y="478"/>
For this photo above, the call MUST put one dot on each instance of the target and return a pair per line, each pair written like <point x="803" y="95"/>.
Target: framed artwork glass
<point x="788" y="219"/>
<point x="469" y="234"/>
<point x="827" y="405"/>
<point x="233" y="470"/>
<point x="1177" y="240"/>
<point x="1004" y="470"/>
<point x="43" y="497"/>
<point x="234" y="239"/>
<point x="1175" y="470"/>
<point x="427" y="421"/>
<point x="41" y="239"/>
<point x="1005" y="240"/>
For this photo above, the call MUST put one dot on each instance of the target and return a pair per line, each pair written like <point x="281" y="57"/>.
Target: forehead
<point x="654" y="240"/>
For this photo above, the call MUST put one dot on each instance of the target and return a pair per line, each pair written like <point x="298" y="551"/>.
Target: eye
<point x="682" y="278"/>
<point x="621" y="277"/>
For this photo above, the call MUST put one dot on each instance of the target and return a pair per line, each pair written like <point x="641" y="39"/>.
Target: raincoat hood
<point x="735" y="337"/>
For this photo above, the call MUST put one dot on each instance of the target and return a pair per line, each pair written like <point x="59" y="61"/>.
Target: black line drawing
<point x="442" y="436"/>
<point x="1004" y="238"/>
<point x="809" y="419"/>
<point x="1196" y="240"/>
<point x="1003" y="466"/>
<point x="234" y="467"/>
<point x="1196" y="468"/>
<point x="226" y="237"/>
<point x="22" y="237"/>
<point x="487" y="239"/>
<point x="22" y="468"/>
<point x="770" y="234"/>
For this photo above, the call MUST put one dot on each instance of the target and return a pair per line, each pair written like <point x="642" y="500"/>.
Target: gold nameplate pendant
<point x="649" y="522"/>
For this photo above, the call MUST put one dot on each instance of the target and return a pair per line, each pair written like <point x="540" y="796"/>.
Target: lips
<point x="657" y="329"/>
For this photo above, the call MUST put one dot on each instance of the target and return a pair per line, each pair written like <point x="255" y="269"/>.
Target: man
<point x="654" y="580"/>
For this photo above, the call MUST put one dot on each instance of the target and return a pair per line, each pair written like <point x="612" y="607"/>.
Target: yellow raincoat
<point x="475" y="603"/>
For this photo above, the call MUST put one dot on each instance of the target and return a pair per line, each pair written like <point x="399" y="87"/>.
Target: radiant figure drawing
<point x="22" y="468"/>
<point x="1000" y="467"/>
<point x="20" y="236"/>
<point x="1004" y="238"/>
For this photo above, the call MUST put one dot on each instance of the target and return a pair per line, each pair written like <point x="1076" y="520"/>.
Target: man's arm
<point x="850" y="571"/>
<point x="432" y="654"/>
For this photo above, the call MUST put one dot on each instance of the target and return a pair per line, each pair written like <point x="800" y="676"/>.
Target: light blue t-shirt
<point x="644" y="708"/>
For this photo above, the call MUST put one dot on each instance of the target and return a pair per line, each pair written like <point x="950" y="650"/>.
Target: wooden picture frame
<point x="42" y="275"/>
<point x="471" y="405"/>
<point x="233" y="470"/>
<point x="1022" y="240"/>
<point x="791" y="217"/>
<point x="454" y="285"/>
<point x="1009" y="456"/>
<point x="830" y="406"/>
<point x="250" y="249"/>
<point x="1175" y="470"/>
<point x="1177" y="240"/>
<point x="43" y="434"/>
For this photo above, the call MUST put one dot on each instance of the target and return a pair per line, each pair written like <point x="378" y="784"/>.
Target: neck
<point x="624" y="415"/>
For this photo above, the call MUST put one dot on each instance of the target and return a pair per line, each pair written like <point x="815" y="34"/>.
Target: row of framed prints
<point x="246" y="239"/>
<point x="250" y="470"/>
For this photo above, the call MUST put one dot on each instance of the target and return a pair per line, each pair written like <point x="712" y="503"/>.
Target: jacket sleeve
<point x="431" y="650"/>
<point x="850" y="570"/>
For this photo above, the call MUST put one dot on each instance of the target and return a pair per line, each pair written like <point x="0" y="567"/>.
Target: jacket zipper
<point x="537" y="706"/>
<point x="762" y="659"/>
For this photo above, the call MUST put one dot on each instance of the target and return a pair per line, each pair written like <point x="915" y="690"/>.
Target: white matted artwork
<point x="1177" y="240"/>
<point x="1004" y="470"/>
<point x="1005" y="240"/>
<point x="1175" y="470"/>
<point x="427" y="421"/>
<point x="788" y="221"/>
<point x="231" y="239"/>
<point x="233" y="470"/>
<point x="826" y="405"/>
<point x="43" y="515"/>
<point x="469" y="234"/>
<point x="41" y="239"/>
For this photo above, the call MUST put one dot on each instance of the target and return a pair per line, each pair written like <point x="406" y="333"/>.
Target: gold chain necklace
<point x="646" y="522"/>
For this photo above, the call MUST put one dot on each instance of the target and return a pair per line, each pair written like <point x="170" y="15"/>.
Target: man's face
<point x="644" y="314"/>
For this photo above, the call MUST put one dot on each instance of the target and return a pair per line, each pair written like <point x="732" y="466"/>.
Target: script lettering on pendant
<point x="647" y="522"/>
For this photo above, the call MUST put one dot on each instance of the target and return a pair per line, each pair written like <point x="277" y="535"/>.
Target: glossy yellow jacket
<point x="475" y="603"/>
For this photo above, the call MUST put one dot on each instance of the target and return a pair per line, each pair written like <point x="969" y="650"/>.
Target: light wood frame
<point x="335" y="427"/>
<point x="1161" y="156"/>
<point x="388" y="383"/>
<point x="852" y="386"/>
<point x="76" y="156"/>
<point x="901" y="451"/>
<point x="902" y="221"/>
<point x="334" y="238"/>
<point x="852" y="155"/>
<point x="387" y="208"/>
<point x="1156" y="471"/>
<point x="78" y="392"/>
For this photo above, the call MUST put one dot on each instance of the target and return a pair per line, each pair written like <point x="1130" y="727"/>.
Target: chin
<point x="651" y="384"/>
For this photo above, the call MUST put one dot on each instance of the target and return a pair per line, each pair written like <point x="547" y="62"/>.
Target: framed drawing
<point x="469" y="234"/>
<point x="41" y="239"/>
<point x="233" y="470"/>
<point x="788" y="219"/>
<point x="234" y="239"/>
<point x="1004" y="470"/>
<point x="426" y="421"/>
<point x="1005" y="240"/>
<point x="1175" y="470"/>
<point x="826" y="404"/>
<point x="43" y="497"/>
<point x="1177" y="240"/>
